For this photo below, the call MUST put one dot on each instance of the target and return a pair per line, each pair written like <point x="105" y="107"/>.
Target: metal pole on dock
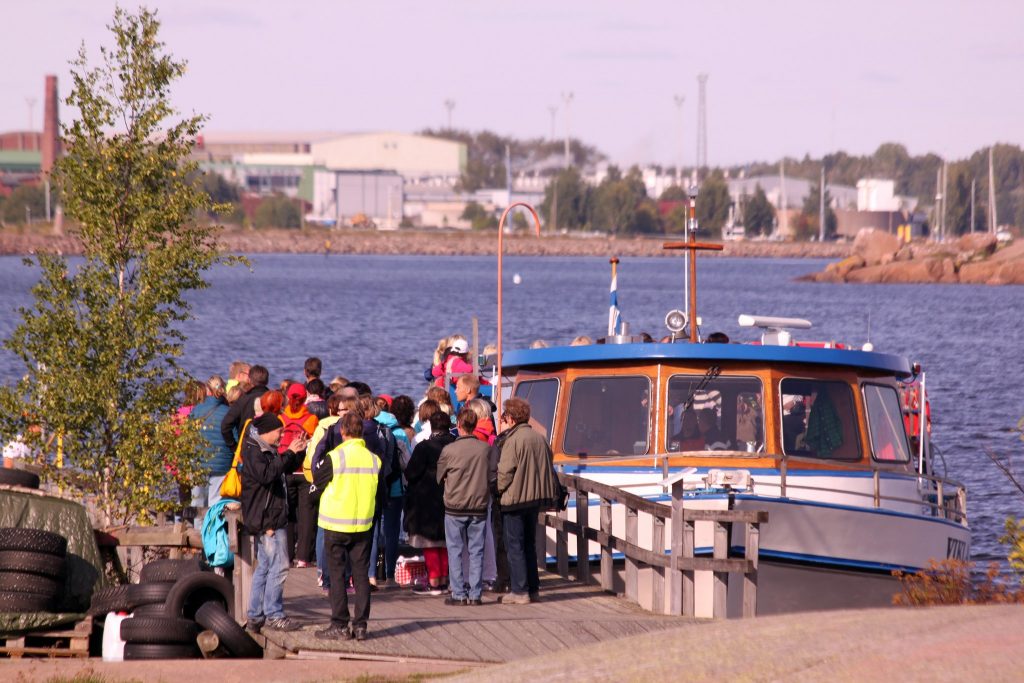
<point x="496" y="389"/>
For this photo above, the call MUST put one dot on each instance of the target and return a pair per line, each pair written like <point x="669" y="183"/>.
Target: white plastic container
<point x="113" y="646"/>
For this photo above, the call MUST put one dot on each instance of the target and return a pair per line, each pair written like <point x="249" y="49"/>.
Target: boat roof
<point x="686" y="351"/>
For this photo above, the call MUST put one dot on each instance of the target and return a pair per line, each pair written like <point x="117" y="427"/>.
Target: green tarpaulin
<point x="84" y="573"/>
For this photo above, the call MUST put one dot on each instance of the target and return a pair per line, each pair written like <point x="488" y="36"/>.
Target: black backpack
<point x="391" y="459"/>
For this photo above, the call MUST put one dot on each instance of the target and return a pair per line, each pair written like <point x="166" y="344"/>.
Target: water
<point x="378" y="318"/>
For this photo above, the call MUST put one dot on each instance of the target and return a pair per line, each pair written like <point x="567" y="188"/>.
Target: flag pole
<point x="613" y="303"/>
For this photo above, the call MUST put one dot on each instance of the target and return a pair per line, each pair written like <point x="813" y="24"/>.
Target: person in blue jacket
<point x="209" y="413"/>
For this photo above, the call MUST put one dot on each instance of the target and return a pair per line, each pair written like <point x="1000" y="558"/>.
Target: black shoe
<point x="283" y="624"/>
<point x="497" y="588"/>
<point x="254" y="625"/>
<point x="359" y="633"/>
<point x="456" y="601"/>
<point x="474" y="602"/>
<point x="535" y="596"/>
<point x="335" y="632"/>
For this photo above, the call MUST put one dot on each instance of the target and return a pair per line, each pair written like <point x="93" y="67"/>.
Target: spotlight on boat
<point x="675" y="321"/>
<point x="868" y="346"/>
<point x="730" y="479"/>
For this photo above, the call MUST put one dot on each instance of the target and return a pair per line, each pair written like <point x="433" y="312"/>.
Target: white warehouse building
<point x="414" y="157"/>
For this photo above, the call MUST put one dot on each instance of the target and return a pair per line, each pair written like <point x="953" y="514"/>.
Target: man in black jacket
<point x="265" y="516"/>
<point x="244" y="408"/>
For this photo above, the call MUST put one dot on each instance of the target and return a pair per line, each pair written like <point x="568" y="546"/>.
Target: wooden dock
<point x="404" y="626"/>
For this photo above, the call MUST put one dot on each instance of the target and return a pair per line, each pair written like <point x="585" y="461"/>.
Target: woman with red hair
<point x="299" y="423"/>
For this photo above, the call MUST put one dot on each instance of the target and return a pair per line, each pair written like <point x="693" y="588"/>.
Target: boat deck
<point x="406" y="626"/>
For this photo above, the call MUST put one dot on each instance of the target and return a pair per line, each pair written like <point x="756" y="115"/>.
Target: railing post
<point x="607" y="576"/>
<point x="675" y="576"/>
<point x="721" y="579"/>
<point x="562" y="546"/>
<point x="658" y="573"/>
<point x="783" y="467"/>
<point x="632" y="568"/>
<point x="940" y="500"/>
<point x="752" y="550"/>
<point x="876" y="479"/>
<point x="689" y="550"/>
<point x="540" y="540"/>
<point x="582" y="544"/>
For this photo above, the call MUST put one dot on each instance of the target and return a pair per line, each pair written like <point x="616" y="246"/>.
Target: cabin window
<point x="724" y="413"/>
<point x="608" y="416"/>
<point x="542" y="395"/>
<point x="819" y="419"/>
<point x="885" y="424"/>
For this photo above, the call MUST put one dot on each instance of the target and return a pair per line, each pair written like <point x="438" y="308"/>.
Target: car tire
<point x="168" y="570"/>
<point x="33" y="540"/>
<point x="105" y="600"/>
<point x="26" y="480"/>
<point x="194" y="590"/>
<point x="159" y="630"/>
<point x="155" y="609"/>
<point x="148" y="594"/>
<point x="161" y="651"/>
<point x="232" y="636"/>
<point x="32" y="563"/>
<point x="23" y="582"/>
<point x="25" y="602"/>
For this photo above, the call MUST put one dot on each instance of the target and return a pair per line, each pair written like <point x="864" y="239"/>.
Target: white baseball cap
<point x="460" y="346"/>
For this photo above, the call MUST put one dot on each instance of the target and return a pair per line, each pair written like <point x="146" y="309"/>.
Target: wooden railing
<point x="674" y="571"/>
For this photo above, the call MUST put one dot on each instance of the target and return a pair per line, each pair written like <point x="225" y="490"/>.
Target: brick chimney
<point x="51" y="127"/>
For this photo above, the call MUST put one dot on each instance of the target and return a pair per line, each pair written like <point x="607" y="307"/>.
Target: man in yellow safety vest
<point x="350" y="478"/>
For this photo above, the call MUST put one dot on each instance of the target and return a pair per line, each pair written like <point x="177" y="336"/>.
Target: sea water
<point x="378" y="319"/>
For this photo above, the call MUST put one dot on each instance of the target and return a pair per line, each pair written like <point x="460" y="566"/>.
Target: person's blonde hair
<point x="348" y="404"/>
<point x="233" y="394"/>
<point x="368" y="407"/>
<point x="195" y="392"/>
<point x="469" y="382"/>
<point x="538" y="344"/>
<point x="442" y="346"/>
<point x="582" y="340"/>
<point x="215" y="385"/>
<point x="441" y="397"/>
<point x="480" y="407"/>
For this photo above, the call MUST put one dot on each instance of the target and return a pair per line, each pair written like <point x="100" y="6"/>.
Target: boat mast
<point x="692" y="246"/>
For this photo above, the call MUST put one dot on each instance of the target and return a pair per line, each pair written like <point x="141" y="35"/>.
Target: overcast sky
<point x="788" y="77"/>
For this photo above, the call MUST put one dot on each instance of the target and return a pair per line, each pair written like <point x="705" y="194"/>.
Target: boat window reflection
<point x="608" y="416"/>
<point x="885" y="424"/>
<point x="724" y="413"/>
<point x="819" y="419"/>
<point x="542" y="395"/>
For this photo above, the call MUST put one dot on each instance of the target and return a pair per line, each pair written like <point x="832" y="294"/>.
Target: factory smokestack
<point x="51" y="127"/>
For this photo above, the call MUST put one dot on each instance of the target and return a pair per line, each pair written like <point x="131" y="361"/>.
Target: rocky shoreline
<point x="438" y="243"/>
<point x="879" y="257"/>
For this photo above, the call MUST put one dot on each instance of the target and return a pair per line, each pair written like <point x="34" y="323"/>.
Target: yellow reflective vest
<point x="349" y="501"/>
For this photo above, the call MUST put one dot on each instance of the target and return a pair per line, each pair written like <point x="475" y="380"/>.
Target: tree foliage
<point x="569" y="197"/>
<point x="758" y="214"/>
<point x="617" y="201"/>
<point x="277" y="211"/>
<point x="479" y="217"/>
<point x="808" y="226"/>
<point x="100" y="343"/>
<point x="25" y="201"/>
<point x="713" y="204"/>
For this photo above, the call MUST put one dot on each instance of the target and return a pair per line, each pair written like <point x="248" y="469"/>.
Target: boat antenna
<point x="692" y="246"/>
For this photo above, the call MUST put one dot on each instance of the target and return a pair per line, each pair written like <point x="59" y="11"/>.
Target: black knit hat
<point x="266" y="423"/>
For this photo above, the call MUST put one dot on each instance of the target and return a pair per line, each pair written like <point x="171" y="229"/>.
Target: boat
<point x="831" y="440"/>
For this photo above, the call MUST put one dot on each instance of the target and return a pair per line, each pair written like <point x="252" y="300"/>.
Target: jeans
<point x="266" y="601"/>
<point x="208" y="496"/>
<point x="521" y="544"/>
<point x="321" y="559"/>
<point x="388" y="526"/>
<point x="461" y="531"/>
<point x="348" y="551"/>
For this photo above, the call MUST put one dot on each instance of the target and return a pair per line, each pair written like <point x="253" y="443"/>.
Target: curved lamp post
<point x="496" y="389"/>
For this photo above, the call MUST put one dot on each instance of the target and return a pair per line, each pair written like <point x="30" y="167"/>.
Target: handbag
<point x="231" y="487"/>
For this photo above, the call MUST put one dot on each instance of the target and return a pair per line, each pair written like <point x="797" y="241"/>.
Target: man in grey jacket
<point x="465" y="469"/>
<point x="527" y="484"/>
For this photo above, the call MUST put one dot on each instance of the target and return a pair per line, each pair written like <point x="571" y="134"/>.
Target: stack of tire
<point x="173" y="602"/>
<point x="32" y="564"/>
<point x="12" y="477"/>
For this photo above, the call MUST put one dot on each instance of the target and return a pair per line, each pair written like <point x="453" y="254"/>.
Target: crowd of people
<point x="338" y="476"/>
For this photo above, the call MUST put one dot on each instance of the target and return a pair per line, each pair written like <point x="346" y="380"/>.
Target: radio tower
<point x="702" y="124"/>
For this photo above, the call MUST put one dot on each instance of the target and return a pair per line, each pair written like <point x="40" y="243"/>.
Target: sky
<point x="786" y="77"/>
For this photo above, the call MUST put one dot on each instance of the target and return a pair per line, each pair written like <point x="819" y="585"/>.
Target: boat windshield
<point x="542" y="395"/>
<point x="885" y="423"/>
<point x="608" y="416"/>
<point x="819" y="419"/>
<point x="724" y="413"/>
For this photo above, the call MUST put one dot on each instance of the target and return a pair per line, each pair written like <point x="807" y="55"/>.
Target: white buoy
<point x="517" y="279"/>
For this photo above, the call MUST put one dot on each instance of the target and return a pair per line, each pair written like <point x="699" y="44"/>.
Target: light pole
<point x="567" y="98"/>
<point x="449" y="105"/>
<point x="679" y="100"/>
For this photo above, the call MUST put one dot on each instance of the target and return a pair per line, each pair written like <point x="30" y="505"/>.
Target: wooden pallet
<point x="72" y="642"/>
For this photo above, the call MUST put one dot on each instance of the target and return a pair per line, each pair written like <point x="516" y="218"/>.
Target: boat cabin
<point x="718" y="405"/>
